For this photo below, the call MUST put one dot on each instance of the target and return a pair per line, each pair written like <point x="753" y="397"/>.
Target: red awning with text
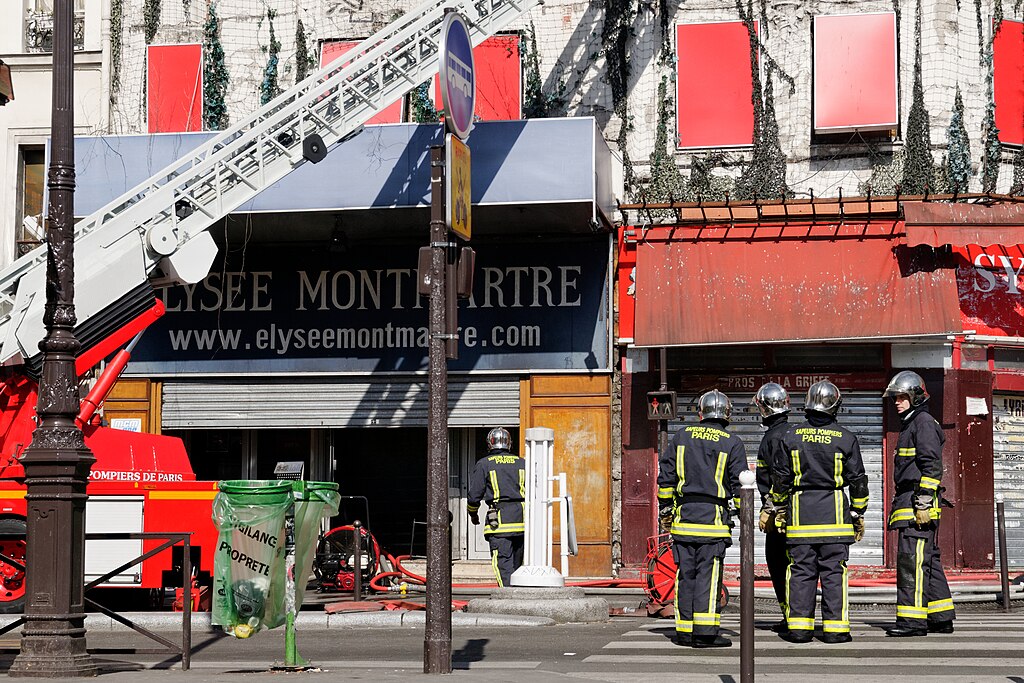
<point x="720" y="290"/>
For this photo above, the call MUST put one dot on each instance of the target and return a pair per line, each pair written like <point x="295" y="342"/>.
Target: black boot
<point x="797" y="636"/>
<point x="711" y="641"/>
<point x="906" y="631"/>
<point x="780" y="626"/>
<point x="940" y="627"/>
<point x="836" y="638"/>
<point x="684" y="639"/>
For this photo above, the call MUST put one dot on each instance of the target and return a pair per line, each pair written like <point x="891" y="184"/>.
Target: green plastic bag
<point x="314" y="500"/>
<point x="248" y="567"/>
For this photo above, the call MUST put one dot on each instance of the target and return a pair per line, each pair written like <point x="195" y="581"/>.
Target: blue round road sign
<point x="458" y="81"/>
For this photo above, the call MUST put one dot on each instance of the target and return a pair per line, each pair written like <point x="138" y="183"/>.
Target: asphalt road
<point x="987" y="646"/>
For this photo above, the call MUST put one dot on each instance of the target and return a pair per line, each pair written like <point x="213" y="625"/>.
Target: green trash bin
<point x="314" y="500"/>
<point x="248" y="567"/>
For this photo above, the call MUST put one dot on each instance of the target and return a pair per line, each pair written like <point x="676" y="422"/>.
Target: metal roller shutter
<point x="861" y="412"/>
<point x="242" y="403"/>
<point x="1008" y="469"/>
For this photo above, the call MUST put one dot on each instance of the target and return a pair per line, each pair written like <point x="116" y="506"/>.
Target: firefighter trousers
<point x="922" y="594"/>
<point x="506" y="557"/>
<point x="777" y="559"/>
<point x="698" y="585"/>
<point x="810" y="562"/>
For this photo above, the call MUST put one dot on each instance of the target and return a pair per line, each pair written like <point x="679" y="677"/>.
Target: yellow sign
<point x="459" y="195"/>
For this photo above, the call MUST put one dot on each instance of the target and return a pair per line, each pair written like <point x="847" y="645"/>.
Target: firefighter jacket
<point x="500" y="479"/>
<point x="777" y="426"/>
<point x="816" y="460"/>
<point x="698" y="473"/>
<point x="917" y="469"/>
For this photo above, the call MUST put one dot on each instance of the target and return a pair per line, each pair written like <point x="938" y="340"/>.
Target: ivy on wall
<point x="269" y="88"/>
<point x="765" y="176"/>
<point x="958" y="146"/>
<point x="666" y="182"/>
<point x="536" y="103"/>
<point x="116" y="41"/>
<point x="305" y="61"/>
<point x="421" y="106"/>
<point x="151" y="19"/>
<point x="616" y="35"/>
<point x="215" y="73"/>
<point x="993" y="153"/>
<point x="1017" y="187"/>
<point x="703" y="184"/>
<point x="918" y="168"/>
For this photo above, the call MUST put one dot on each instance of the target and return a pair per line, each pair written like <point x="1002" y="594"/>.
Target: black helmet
<point x="909" y="383"/>
<point x="499" y="439"/>
<point x="714" y="405"/>
<point x="824" y="397"/>
<point x="771" y="399"/>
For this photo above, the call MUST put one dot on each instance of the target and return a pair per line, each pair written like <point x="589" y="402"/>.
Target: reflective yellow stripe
<point x="940" y="605"/>
<point x="720" y="474"/>
<point x="512" y="528"/>
<point x="837" y="470"/>
<point x="761" y="463"/>
<point x="833" y="626"/>
<point x="837" y="498"/>
<point x="911" y="612"/>
<point x="713" y="591"/>
<point x="906" y="452"/>
<point x="681" y="466"/>
<point x="800" y="624"/>
<point x="795" y="457"/>
<point x="681" y="625"/>
<point x="789" y="576"/>
<point x="929" y="483"/>
<point x="811" y="530"/>
<point x="494" y="566"/>
<point x="860" y="502"/>
<point x="691" y="529"/>
<point x="919" y="574"/>
<point x="707" y="619"/>
<point x="665" y="493"/>
<point x="522" y="484"/>
<point x="901" y="515"/>
<point x="494" y="484"/>
<point x="471" y="507"/>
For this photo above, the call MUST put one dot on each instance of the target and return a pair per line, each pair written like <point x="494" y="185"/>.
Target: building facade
<point x="738" y="134"/>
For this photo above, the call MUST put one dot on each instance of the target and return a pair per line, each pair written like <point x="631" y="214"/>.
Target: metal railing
<point x="39" y="31"/>
<point x="169" y="541"/>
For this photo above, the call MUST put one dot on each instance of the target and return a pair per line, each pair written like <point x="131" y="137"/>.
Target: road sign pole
<point x="437" y="643"/>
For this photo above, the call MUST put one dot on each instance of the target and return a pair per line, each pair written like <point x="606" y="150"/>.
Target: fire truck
<point x="157" y="234"/>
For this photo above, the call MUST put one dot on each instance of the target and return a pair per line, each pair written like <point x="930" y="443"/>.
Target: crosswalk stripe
<point x="823" y="662"/>
<point x="779" y="644"/>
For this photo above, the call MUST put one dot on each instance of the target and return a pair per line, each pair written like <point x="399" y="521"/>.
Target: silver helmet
<point x="714" y="405"/>
<point x="499" y="439"/>
<point x="771" y="399"/>
<point x="824" y="397"/>
<point x="909" y="383"/>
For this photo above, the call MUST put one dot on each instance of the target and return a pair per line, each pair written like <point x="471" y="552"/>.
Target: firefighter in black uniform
<point x="772" y="403"/>
<point x="500" y="479"/>
<point x="923" y="601"/>
<point x="816" y="461"/>
<point x="699" y="472"/>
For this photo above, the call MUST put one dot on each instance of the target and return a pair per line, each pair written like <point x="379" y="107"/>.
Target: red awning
<point x="738" y="291"/>
<point x="959" y="225"/>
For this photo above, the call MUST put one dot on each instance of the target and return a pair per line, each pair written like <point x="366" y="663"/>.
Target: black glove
<point x="665" y="520"/>
<point x="474" y="517"/>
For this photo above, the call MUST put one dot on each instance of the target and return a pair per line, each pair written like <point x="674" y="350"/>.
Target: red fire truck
<point x="139" y="482"/>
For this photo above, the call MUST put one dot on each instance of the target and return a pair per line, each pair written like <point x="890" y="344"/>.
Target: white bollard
<point x="537" y="571"/>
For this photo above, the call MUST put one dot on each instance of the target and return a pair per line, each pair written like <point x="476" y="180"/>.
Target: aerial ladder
<point x="157" y="233"/>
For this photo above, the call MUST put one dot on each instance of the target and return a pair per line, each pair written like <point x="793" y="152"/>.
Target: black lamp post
<point x="57" y="462"/>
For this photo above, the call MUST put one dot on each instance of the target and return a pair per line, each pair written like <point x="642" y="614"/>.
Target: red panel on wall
<point x="1008" y="66"/>
<point x="713" y="85"/>
<point x="499" y="80"/>
<point x="855" y="72"/>
<point x="174" y="88"/>
<point x="331" y="51"/>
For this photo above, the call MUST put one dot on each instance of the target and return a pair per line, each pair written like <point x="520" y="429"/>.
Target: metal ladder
<point x="163" y="222"/>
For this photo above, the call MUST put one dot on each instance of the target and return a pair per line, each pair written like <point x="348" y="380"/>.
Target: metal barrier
<point x="170" y="540"/>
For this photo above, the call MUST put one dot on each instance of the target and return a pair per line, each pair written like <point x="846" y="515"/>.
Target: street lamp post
<point x="57" y="461"/>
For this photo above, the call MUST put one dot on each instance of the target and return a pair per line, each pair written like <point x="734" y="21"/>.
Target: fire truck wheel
<point x="12" y="578"/>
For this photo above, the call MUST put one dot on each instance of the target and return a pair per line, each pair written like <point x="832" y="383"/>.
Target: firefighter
<point x="500" y="479"/>
<point x="923" y="600"/>
<point x="772" y="403"/>
<point x="812" y="465"/>
<point x="698" y="474"/>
